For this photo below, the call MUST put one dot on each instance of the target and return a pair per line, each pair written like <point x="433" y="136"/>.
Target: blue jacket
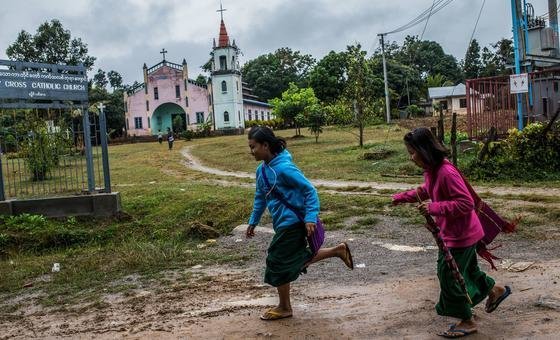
<point x="294" y="187"/>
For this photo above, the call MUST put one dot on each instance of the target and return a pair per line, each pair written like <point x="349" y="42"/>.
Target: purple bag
<point x="315" y="240"/>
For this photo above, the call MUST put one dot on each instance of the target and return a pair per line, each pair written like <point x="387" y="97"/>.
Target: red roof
<point x="224" y="39"/>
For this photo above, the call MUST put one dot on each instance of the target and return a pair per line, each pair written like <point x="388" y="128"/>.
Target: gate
<point x="490" y="103"/>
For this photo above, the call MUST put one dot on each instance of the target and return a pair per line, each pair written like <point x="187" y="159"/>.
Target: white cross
<point x="101" y="106"/>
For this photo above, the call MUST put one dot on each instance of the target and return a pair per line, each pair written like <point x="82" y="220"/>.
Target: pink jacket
<point x="452" y="206"/>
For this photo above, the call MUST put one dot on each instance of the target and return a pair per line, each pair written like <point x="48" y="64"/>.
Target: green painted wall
<point x="161" y="119"/>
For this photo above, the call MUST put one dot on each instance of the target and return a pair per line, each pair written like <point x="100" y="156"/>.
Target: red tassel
<point x="510" y="227"/>
<point x="487" y="255"/>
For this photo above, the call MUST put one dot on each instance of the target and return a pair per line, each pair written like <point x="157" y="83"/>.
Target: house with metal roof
<point x="450" y="98"/>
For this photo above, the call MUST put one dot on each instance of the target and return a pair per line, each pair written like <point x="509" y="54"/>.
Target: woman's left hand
<point x="423" y="208"/>
<point x="310" y="228"/>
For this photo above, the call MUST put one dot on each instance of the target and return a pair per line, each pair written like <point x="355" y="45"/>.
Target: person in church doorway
<point x="159" y="137"/>
<point x="293" y="204"/>
<point x="170" y="138"/>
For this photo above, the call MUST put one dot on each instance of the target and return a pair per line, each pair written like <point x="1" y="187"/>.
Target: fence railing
<point x="490" y="103"/>
<point x="52" y="153"/>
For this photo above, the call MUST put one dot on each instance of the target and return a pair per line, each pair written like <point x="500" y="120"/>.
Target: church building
<point x="167" y="92"/>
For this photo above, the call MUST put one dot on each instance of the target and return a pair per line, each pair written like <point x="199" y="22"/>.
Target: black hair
<point x="263" y="134"/>
<point x="423" y="141"/>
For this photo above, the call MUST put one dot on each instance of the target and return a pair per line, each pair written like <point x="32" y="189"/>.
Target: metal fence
<point x="49" y="153"/>
<point x="490" y="103"/>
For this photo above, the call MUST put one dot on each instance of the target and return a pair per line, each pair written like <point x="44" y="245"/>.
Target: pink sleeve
<point x="410" y="195"/>
<point x="459" y="201"/>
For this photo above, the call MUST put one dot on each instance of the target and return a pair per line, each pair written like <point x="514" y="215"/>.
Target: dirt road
<point x="391" y="294"/>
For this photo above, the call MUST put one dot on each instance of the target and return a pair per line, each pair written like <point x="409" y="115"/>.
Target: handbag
<point x="492" y="224"/>
<point x="316" y="239"/>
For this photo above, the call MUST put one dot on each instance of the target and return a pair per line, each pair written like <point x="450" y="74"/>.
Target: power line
<point x="427" y="20"/>
<point x="475" y="25"/>
<point x="436" y="7"/>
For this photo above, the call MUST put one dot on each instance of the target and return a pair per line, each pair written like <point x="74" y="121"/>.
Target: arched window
<point x="224" y="86"/>
<point x="226" y="116"/>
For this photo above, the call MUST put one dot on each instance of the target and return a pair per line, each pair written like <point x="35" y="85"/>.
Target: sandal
<point x="273" y="315"/>
<point x="493" y="305"/>
<point x="348" y="257"/>
<point x="453" y="332"/>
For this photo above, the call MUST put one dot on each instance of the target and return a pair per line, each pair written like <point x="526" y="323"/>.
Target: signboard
<point x="518" y="83"/>
<point x="41" y="85"/>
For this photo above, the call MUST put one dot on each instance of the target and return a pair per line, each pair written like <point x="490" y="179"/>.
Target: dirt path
<point x="390" y="294"/>
<point x="195" y="164"/>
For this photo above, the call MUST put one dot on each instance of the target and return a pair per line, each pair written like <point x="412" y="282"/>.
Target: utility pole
<point x="515" y="11"/>
<point x="387" y="103"/>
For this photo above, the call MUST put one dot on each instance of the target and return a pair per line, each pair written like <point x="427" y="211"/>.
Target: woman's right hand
<point x="250" y="231"/>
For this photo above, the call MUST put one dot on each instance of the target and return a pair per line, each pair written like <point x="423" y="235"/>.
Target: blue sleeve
<point x="259" y="203"/>
<point x="293" y="177"/>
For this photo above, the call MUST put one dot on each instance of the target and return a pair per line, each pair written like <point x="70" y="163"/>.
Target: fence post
<point x="104" y="149"/>
<point x="88" y="153"/>
<point x="2" y="195"/>
<point x="454" y="138"/>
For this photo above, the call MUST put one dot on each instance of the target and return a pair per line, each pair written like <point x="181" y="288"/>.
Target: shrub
<point x="530" y="154"/>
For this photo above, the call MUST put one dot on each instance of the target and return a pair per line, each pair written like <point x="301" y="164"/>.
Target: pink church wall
<point x="252" y="108"/>
<point x="165" y="79"/>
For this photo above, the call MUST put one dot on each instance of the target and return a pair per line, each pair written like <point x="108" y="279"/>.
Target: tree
<point x="115" y="79"/>
<point x="295" y="105"/>
<point x="269" y="75"/>
<point x="472" y="64"/>
<point x="435" y="80"/>
<point x="100" y="79"/>
<point x="177" y="124"/>
<point x="495" y="59"/>
<point x="51" y="44"/>
<point x="328" y="77"/>
<point x="316" y="119"/>
<point x="201" y="80"/>
<point x="360" y="87"/>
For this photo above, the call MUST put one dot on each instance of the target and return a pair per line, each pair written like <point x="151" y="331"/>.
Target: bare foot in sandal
<point x="276" y="313"/>
<point x="461" y="329"/>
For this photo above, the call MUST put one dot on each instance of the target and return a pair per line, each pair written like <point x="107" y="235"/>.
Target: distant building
<point x="167" y="93"/>
<point x="450" y="98"/>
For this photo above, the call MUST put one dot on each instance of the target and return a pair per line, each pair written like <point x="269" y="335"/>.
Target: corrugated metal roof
<point x="256" y="102"/>
<point x="458" y="90"/>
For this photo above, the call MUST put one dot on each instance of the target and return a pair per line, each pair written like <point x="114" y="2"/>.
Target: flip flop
<point x="492" y="306"/>
<point x="348" y="256"/>
<point x="456" y="333"/>
<point x="272" y="315"/>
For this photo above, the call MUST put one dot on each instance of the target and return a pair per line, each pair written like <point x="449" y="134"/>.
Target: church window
<point x="127" y="124"/>
<point x="185" y="84"/>
<point x="250" y="115"/>
<point x="262" y="115"/>
<point x="125" y="107"/>
<point x="232" y="62"/>
<point x="238" y="116"/>
<point x="188" y="120"/>
<point x="187" y="101"/>
<point x="148" y="122"/>
<point x="267" y="115"/>
<point x="137" y="122"/>
<point x="177" y="91"/>
<point x="224" y="86"/>
<point x="223" y="62"/>
<point x="147" y="105"/>
<point x="237" y="84"/>
<point x="226" y="116"/>
<point x="200" y="117"/>
<point x="156" y="93"/>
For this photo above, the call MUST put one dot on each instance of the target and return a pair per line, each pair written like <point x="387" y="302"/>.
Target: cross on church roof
<point x="163" y="51"/>
<point x="221" y="10"/>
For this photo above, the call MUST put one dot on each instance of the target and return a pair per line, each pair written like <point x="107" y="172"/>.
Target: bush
<point x="530" y="154"/>
<point x="187" y="135"/>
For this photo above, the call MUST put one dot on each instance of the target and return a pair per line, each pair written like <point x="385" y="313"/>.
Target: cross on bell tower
<point x="163" y="51"/>
<point x="221" y="10"/>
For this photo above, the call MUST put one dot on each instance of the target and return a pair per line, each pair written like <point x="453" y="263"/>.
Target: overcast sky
<point x="125" y="34"/>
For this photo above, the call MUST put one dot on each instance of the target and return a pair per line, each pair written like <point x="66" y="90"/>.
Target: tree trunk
<point x="441" y="133"/>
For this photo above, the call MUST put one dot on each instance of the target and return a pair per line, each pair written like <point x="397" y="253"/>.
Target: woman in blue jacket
<point x="288" y="252"/>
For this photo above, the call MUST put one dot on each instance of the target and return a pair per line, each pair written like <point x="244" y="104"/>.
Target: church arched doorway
<point x="164" y="116"/>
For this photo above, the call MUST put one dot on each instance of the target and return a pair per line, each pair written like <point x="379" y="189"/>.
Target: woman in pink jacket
<point x="453" y="208"/>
